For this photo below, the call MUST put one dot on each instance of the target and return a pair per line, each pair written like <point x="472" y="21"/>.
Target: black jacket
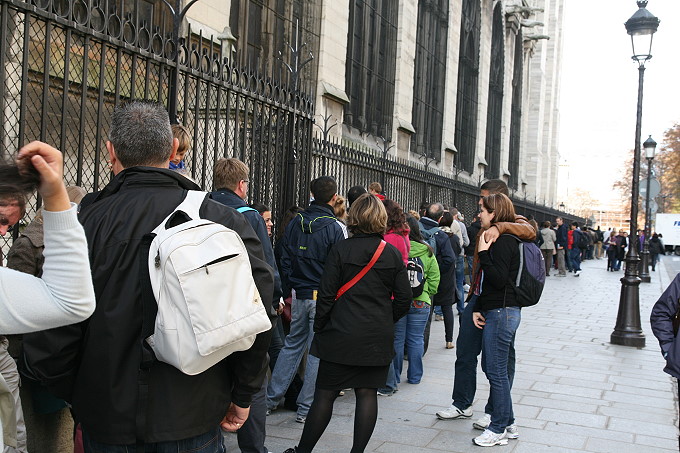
<point x="229" y="198"/>
<point x="446" y="292"/>
<point x="661" y="320"/>
<point x="358" y="328"/>
<point x="562" y="236"/>
<point x="306" y="242"/>
<point x="472" y="231"/>
<point x="94" y="364"/>
<point x="445" y="256"/>
<point x="500" y="265"/>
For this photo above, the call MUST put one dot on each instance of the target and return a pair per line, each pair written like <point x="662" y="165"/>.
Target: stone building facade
<point x="470" y="87"/>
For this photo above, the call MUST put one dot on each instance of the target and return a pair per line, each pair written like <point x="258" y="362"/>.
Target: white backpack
<point x="208" y="304"/>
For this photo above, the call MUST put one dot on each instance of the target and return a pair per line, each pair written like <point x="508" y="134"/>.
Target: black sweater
<point x="500" y="265"/>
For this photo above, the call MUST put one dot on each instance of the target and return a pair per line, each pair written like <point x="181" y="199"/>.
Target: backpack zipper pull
<point x="206" y="270"/>
<point x="157" y="261"/>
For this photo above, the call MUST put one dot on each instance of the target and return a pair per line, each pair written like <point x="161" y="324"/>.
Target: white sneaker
<point x="466" y="288"/>
<point x="489" y="439"/>
<point x="453" y="413"/>
<point x="577" y="273"/>
<point x="483" y="422"/>
<point x="512" y="432"/>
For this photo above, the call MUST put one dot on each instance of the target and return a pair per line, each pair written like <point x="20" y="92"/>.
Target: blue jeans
<point x="410" y="330"/>
<point x="498" y="338"/>
<point x="300" y="338"/>
<point x="210" y="442"/>
<point x="468" y="347"/>
<point x="575" y="258"/>
<point x="460" y="281"/>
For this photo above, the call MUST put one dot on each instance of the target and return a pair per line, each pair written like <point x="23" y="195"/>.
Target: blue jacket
<point x="662" y="326"/>
<point x="306" y="242"/>
<point x="562" y="237"/>
<point x="229" y="198"/>
<point x="445" y="256"/>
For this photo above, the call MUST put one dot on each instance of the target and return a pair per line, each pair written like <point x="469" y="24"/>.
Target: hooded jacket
<point x="306" y="243"/>
<point x="430" y="269"/>
<point x="662" y="326"/>
<point x="94" y="364"/>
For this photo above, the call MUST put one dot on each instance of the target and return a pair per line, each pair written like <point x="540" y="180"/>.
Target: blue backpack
<point x="429" y="237"/>
<point x="531" y="275"/>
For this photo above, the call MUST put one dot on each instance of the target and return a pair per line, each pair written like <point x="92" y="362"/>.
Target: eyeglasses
<point x="246" y="180"/>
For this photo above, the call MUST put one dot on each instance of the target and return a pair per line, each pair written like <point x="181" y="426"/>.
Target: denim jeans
<point x="575" y="256"/>
<point x="460" y="281"/>
<point x="468" y="348"/>
<point x="253" y="432"/>
<point x="210" y="442"/>
<point x="410" y="330"/>
<point x="498" y="338"/>
<point x="300" y="338"/>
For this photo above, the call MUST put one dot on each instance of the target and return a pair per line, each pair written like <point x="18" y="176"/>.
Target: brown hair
<point x="367" y="215"/>
<point x="396" y="219"/>
<point x="182" y="134"/>
<point x="496" y="186"/>
<point x="501" y="206"/>
<point x="229" y="172"/>
<point x="375" y="186"/>
<point x="547" y="224"/>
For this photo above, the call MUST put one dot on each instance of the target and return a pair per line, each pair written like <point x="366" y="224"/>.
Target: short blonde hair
<point x="182" y="134"/>
<point x="340" y="208"/>
<point x="368" y="215"/>
<point x="229" y="172"/>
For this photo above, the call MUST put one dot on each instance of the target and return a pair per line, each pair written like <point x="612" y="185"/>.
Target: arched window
<point x="371" y="61"/>
<point x="468" y="80"/>
<point x="516" y="118"/>
<point x="495" y="107"/>
<point x="430" y="76"/>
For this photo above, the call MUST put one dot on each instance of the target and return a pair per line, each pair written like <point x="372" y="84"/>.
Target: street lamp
<point x="650" y="149"/>
<point x="628" y="332"/>
<point x="562" y="207"/>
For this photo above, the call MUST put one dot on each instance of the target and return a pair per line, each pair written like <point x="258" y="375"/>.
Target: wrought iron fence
<point x="66" y="64"/>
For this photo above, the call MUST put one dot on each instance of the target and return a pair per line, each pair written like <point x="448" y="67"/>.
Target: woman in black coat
<point x="446" y="293"/>
<point x="354" y="333"/>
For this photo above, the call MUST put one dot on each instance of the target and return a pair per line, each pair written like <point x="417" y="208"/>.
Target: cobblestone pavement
<point x="573" y="390"/>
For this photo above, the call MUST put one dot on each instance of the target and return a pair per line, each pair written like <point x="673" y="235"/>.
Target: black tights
<point x="320" y="415"/>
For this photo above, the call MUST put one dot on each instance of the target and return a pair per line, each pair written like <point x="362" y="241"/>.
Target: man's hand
<point x="491" y="234"/>
<point x="235" y="418"/>
<point x="478" y="320"/>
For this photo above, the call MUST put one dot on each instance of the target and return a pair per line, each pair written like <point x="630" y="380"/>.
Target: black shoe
<point x="291" y="450"/>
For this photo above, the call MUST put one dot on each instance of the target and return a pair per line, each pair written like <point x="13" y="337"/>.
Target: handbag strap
<point x="363" y="271"/>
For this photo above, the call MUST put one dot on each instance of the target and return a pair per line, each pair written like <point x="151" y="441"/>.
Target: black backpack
<point x="531" y="275"/>
<point x="581" y="239"/>
<point x="455" y="244"/>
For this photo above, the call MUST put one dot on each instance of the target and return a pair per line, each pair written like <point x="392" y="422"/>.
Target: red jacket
<point x="400" y="241"/>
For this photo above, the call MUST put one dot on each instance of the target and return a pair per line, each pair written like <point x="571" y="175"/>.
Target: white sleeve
<point x="64" y="295"/>
<point x="463" y="229"/>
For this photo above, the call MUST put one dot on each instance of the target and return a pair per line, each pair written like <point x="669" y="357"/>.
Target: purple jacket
<point x="662" y="326"/>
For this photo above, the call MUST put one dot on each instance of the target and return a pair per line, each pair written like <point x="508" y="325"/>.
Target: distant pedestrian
<point x="447" y="294"/>
<point x="562" y="247"/>
<point x="354" y="329"/>
<point x="575" y="251"/>
<point x="611" y="250"/>
<point x="548" y="246"/>
<point x="353" y="193"/>
<point x="178" y="162"/>
<point x="375" y="188"/>
<point x="654" y="250"/>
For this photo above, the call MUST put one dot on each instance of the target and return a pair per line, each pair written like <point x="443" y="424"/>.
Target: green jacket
<point x="431" y="269"/>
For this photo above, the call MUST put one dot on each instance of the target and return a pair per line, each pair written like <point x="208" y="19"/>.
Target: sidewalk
<point x="573" y="390"/>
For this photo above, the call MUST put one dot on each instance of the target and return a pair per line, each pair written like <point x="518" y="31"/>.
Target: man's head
<point x="494" y="186"/>
<point x="355" y="192"/>
<point x="422" y="211"/>
<point x="231" y="173"/>
<point x="12" y="209"/>
<point x="435" y="211"/>
<point x="574" y="225"/>
<point x="140" y="135"/>
<point x="324" y="189"/>
<point x="559" y="221"/>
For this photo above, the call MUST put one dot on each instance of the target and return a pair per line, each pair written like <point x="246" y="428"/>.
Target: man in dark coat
<point x="230" y="177"/>
<point x="96" y="364"/>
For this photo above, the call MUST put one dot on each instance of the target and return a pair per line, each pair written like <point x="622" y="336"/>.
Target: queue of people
<point x="344" y="274"/>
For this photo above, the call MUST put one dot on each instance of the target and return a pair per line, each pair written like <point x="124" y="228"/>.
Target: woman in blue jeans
<point x="498" y="314"/>
<point x="409" y="330"/>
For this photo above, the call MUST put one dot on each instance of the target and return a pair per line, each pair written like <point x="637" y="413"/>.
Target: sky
<point x="599" y="92"/>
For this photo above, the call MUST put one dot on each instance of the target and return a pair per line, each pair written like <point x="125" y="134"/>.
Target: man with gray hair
<point x="122" y="400"/>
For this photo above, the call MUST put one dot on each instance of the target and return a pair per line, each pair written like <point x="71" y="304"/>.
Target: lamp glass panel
<point x="642" y="44"/>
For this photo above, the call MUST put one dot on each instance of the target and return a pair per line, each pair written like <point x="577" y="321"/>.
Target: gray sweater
<point x="64" y="295"/>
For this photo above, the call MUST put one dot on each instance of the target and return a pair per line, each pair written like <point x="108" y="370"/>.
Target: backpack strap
<point x="243" y="209"/>
<point x="191" y="204"/>
<point x="363" y="271"/>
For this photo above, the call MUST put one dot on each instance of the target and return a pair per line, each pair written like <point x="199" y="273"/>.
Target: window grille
<point x="430" y="76"/>
<point x="370" y="69"/>
<point x="495" y="105"/>
<point x="468" y="81"/>
<point x="516" y="117"/>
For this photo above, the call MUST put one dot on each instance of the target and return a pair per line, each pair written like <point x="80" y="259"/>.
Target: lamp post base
<point x="645" y="277"/>
<point x="628" y="330"/>
<point x="632" y="339"/>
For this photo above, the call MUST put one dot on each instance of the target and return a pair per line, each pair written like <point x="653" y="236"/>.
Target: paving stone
<point x="573" y="418"/>
<point x="609" y="446"/>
